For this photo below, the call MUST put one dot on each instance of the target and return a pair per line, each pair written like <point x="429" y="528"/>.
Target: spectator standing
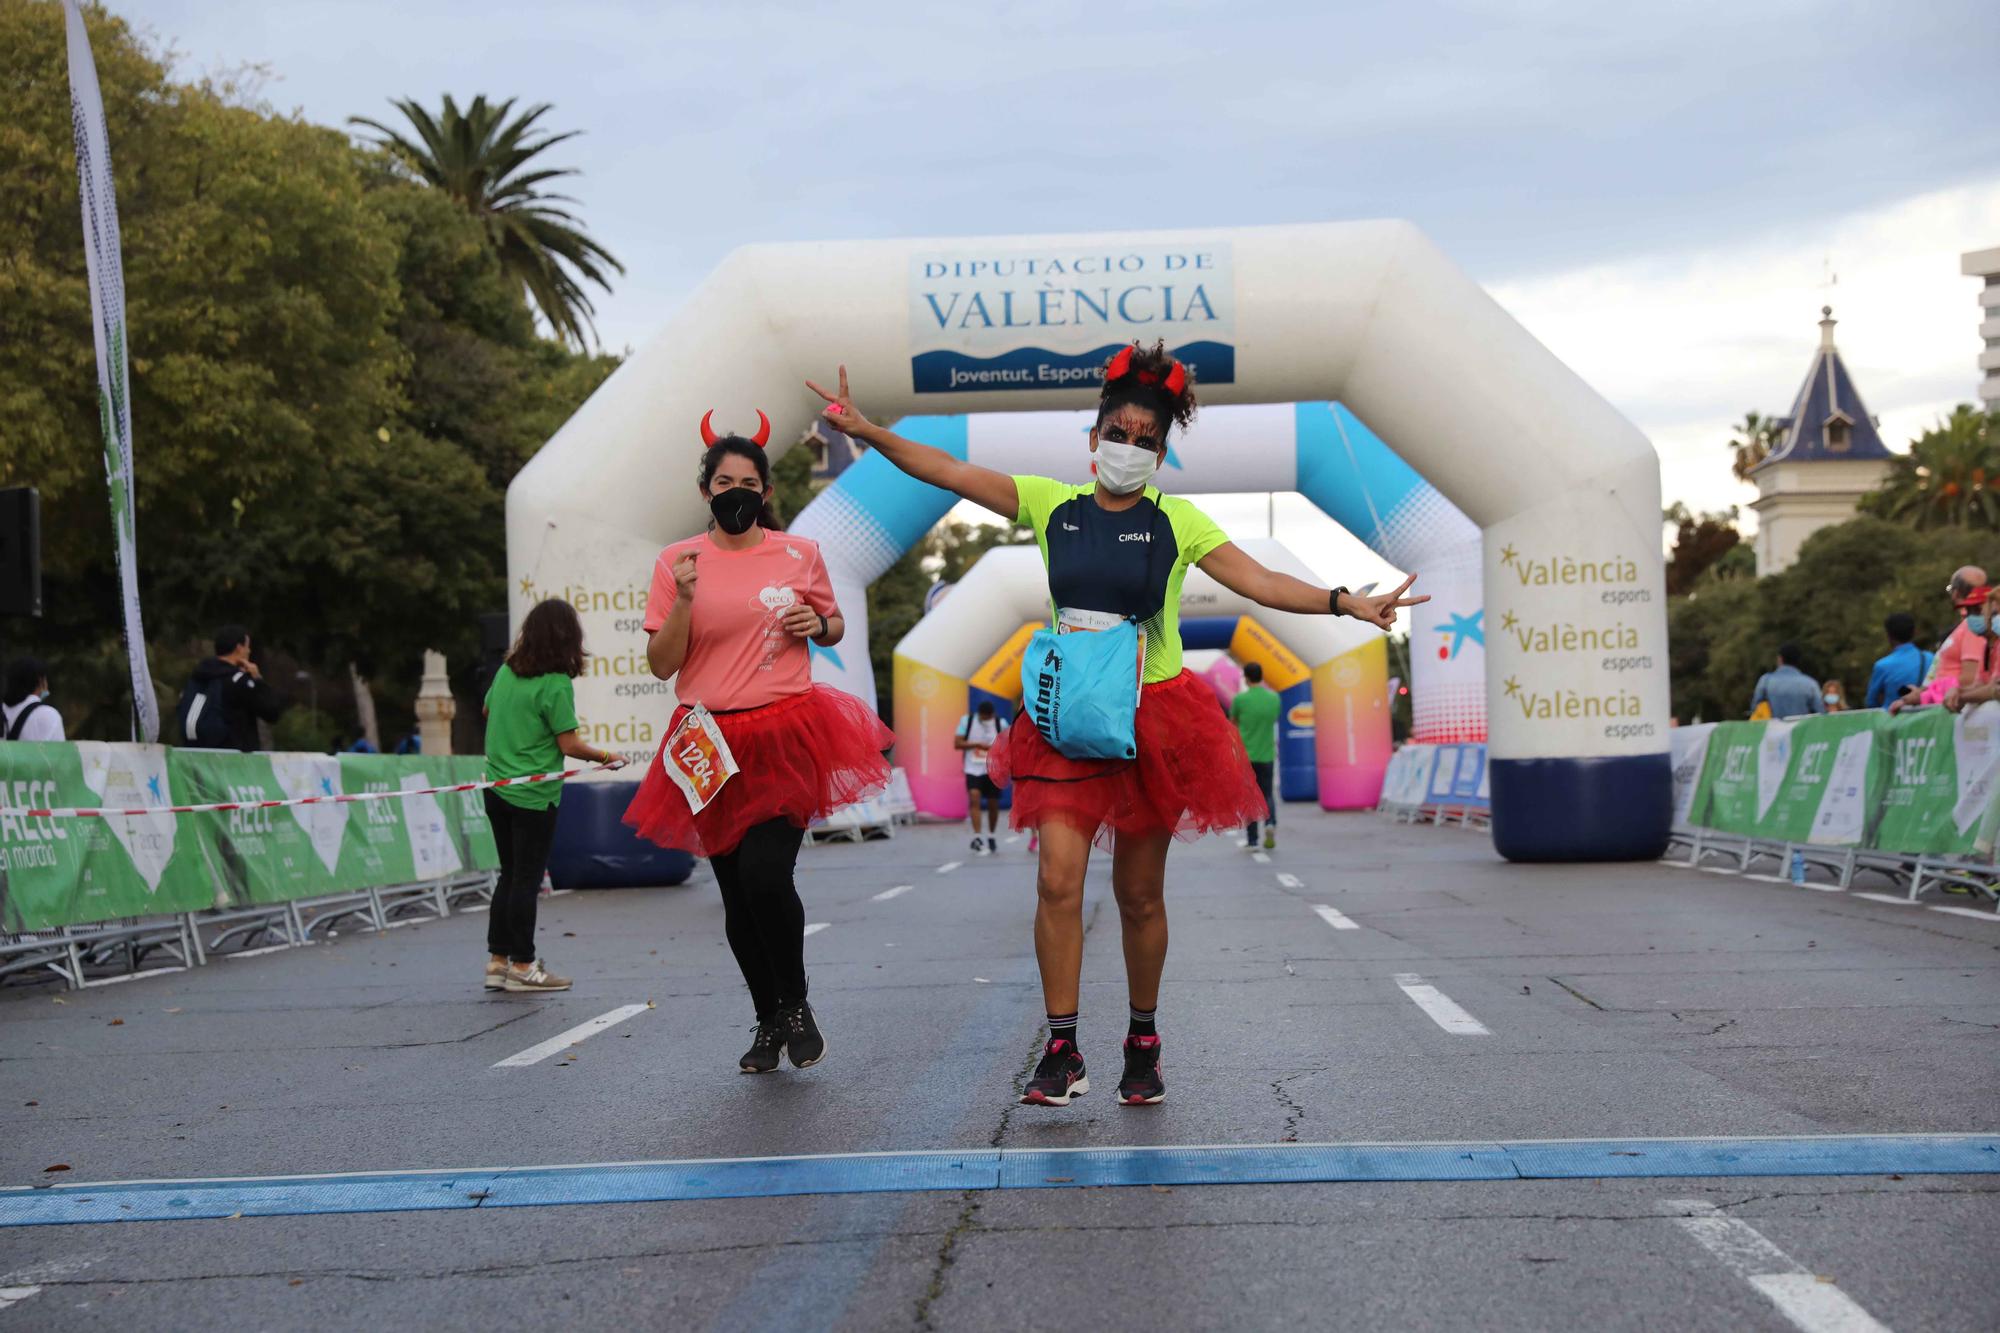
<point x="1834" y="695"/>
<point x="29" y="716"/>
<point x="1254" y="710"/>
<point x="1979" y="639"/>
<point x="530" y="726"/>
<point x="1967" y="590"/>
<point x="977" y="735"/>
<point x="1903" y="667"/>
<point x="1789" y="691"/>
<point x="226" y="697"/>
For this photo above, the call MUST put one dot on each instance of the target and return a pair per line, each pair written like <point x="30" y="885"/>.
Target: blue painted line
<point x="998" y="1169"/>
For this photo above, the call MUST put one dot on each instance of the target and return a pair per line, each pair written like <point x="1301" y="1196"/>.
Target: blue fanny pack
<point x="1082" y="690"/>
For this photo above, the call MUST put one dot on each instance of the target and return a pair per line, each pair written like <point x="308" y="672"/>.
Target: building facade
<point x="1830" y="456"/>
<point x="1985" y="265"/>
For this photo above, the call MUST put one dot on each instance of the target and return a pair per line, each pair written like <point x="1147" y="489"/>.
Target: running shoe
<point x="1058" y="1077"/>
<point x="1270" y="838"/>
<point x="992" y="844"/>
<point x="1034" y="842"/>
<point x="535" y="978"/>
<point x="496" y="975"/>
<point x="979" y="846"/>
<point x="1142" y="1084"/>
<point x="804" y="1042"/>
<point x="765" y="1047"/>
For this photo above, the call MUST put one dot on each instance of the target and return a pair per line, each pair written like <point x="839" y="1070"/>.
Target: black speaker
<point x="20" y="551"/>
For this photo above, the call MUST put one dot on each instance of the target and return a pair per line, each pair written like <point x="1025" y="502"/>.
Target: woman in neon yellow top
<point x="1116" y="549"/>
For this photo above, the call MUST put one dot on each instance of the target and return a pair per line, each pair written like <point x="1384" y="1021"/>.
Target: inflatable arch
<point x="1564" y="490"/>
<point x="872" y="514"/>
<point x="1332" y="675"/>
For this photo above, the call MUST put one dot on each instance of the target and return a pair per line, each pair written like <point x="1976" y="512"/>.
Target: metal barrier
<point x="109" y="952"/>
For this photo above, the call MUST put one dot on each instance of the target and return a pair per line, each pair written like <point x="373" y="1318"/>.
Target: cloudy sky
<point x="1665" y="194"/>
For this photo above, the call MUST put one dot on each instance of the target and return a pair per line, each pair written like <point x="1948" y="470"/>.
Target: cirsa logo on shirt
<point x="776" y="597"/>
<point x="1135" y="536"/>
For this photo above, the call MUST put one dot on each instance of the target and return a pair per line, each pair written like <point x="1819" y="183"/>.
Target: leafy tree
<point x="1752" y="440"/>
<point x="1832" y="602"/>
<point x="479" y="157"/>
<point x="1947" y="478"/>
<point x="333" y="379"/>
<point x="1700" y="541"/>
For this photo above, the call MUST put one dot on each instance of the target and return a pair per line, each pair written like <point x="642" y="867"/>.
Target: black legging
<point x="762" y="914"/>
<point x="523" y="837"/>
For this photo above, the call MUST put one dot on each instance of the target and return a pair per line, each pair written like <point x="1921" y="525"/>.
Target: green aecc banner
<point x="57" y="872"/>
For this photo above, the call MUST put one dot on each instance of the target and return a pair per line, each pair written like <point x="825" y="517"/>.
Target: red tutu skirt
<point x="799" y="759"/>
<point x="1191" y="775"/>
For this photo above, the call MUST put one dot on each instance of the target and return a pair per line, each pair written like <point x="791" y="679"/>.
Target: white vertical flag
<point x="107" y="317"/>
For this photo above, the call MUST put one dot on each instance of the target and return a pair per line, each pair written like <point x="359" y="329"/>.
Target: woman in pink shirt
<point x="729" y="616"/>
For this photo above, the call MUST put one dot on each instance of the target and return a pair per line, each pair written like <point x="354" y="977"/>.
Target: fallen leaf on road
<point x="176" y="1009"/>
<point x="38" y="1104"/>
<point x="59" y="1166"/>
<point x="651" y="1005"/>
<point x="569" y="934"/>
<point x="1059" y="1180"/>
<point x="296" y="1282"/>
<point x="58" y="999"/>
<point x="117" y="1023"/>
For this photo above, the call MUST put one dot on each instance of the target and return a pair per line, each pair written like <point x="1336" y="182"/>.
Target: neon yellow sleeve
<point x="1197" y="533"/>
<point x="1039" y="497"/>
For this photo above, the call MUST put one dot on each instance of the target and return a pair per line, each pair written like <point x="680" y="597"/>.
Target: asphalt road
<point x="1613" y="1002"/>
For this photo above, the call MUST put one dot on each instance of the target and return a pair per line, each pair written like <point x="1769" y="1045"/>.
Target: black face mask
<point x="736" y="509"/>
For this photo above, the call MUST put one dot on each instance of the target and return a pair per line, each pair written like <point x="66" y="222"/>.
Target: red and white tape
<point x="340" y="798"/>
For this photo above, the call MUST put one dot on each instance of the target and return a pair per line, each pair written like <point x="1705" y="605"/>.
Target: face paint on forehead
<point x="1132" y="425"/>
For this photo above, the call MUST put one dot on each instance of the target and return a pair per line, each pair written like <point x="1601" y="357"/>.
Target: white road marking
<point x="1895" y="898"/>
<point x="1443" y="1010"/>
<point x="896" y="892"/>
<point x="949" y="866"/>
<point x="1261" y="858"/>
<point x="269" y="948"/>
<point x="1290" y="880"/>
<point x="1811" y="1303"/>
<point x="982" y="981"/>
<point x="1012" y="837"/>
<point x="477" y="907"/>
<point x="1335" y="919"/>
<point x="1972" y="912"/>
<point x="15" y="1295"/>
<point x="563" y="1041"/>
<point x="816" y="927"/>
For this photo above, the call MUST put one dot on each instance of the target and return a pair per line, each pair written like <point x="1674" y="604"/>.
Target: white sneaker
<point x="534" y="978"/>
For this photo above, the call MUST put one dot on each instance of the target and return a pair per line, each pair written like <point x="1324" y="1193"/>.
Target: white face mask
<point x="1124" y="468"/>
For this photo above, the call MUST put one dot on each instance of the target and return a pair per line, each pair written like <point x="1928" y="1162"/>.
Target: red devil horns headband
<point x="1121" y="366"/>
<point x="710" y="439"/>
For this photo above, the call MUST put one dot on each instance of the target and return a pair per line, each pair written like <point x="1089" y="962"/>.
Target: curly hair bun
<point x="1149" y="377"/>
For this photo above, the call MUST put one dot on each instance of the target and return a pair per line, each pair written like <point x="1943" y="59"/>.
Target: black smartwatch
<point x="1333" y="602"/>
<point x="824" y="626"/>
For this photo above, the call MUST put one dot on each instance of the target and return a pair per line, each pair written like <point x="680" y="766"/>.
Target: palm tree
<point x="1948" y="477"/>
<point x="476" y="156"/>
<point x="1753" y="439"/>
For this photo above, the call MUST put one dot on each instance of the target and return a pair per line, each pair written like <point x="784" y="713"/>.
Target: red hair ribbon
<point x="1121" y="366"/>
<point x="709" y="438"/>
